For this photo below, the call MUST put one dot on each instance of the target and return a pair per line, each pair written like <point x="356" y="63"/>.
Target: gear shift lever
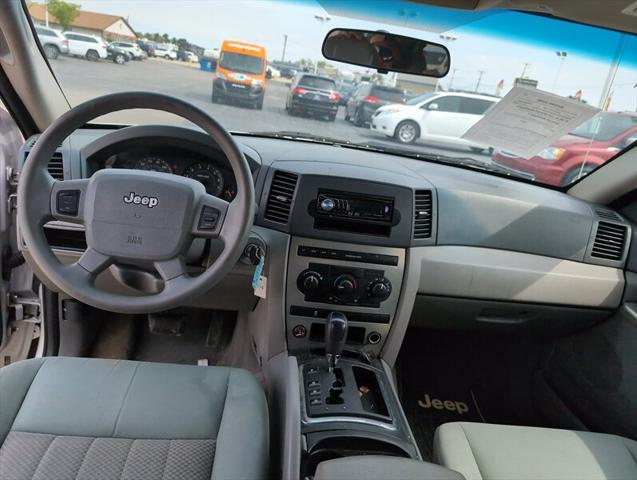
<point x="335" y="336"/>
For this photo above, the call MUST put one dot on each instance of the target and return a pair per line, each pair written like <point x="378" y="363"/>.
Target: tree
<point x="65" y="12"/>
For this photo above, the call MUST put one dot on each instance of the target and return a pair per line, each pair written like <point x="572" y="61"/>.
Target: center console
<point x="362" y="281"/>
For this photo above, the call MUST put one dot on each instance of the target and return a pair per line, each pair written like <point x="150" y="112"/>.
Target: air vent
<point x="422" y="214"/>
<point x="607" y="214"/>
<point x="609" y="241"/>
<point x="56" y="165"/>
<point x="280" y="197"/>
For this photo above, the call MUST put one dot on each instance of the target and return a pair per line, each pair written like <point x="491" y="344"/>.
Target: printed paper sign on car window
<point x="528" y="120"/>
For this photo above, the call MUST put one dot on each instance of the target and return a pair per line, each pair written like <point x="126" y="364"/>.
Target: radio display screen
<point x="355" y="206"/>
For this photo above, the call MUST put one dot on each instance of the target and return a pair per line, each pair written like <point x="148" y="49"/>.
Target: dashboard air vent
<point x="607" y="214"/>
<point x="56" y="166"/>
<point x="280" y="197"/>
<point x="609" y="241"/>
<point x="422" y="214"/>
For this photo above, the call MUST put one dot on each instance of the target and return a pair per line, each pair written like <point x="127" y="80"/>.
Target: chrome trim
<point x="305" y="420"/>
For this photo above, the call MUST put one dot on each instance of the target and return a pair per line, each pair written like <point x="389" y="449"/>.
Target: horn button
<point x="141" y="216"/>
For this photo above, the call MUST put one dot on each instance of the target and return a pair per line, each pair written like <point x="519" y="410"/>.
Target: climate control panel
<point x="342" y="285"/>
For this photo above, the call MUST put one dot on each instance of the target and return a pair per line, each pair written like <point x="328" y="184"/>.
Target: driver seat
<point x="80" y="418"/>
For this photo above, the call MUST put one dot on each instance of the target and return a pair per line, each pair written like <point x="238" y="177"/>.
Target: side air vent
<point x="280" y="197"/>
<point x="607" y="214"/>
<point x="422" y="214"/>
<point x="56" y="165"/>
<point x="610" y="240"/>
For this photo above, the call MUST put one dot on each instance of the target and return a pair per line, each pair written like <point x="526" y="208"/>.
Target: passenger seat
<point x="492" y="452"/>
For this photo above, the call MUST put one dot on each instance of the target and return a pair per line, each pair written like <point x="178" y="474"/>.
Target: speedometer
<point x="153" y="163"/>
<point x="208" y="175"/>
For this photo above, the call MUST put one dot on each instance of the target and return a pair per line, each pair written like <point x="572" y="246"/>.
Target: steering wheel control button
<point x="299" y="331"/>
<point x="208" y="219"/>
<point x="67" y="202"/>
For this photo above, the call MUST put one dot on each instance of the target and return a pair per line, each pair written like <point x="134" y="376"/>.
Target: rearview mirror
<point x="432" y="106"/>
<point x="387" y="52"/>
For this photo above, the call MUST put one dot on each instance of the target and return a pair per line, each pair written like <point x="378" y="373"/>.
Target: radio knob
<point x="309" y="281"/>
<point x="379" y="288"/>
<point x="327" y="204"/>
<point x="345" y="285"/>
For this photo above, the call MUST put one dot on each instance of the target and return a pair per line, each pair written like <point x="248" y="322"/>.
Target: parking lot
<point x="82" y="80"/>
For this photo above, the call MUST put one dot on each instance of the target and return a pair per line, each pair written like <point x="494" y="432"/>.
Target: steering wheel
<point x="133" y="216"/>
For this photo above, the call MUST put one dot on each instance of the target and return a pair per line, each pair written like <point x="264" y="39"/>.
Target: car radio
<point x="354" y="206"/>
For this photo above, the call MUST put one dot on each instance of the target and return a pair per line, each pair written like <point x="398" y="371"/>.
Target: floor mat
<point x="450" y="377"/>
<point x="189" y="335"/>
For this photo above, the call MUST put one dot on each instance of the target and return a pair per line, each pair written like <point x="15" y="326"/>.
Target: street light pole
<point x="526" y="65"/>
<point x="285" y="44"/>
<point x="479" y="80"/>
<point x="447" y="38"/>
<point x="453" y="74"/>
<point x="322" y="19"/>
<point x="562" y="56"/>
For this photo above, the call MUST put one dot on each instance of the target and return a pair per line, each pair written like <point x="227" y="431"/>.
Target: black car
<point x="313" y="95"/>
<point x="345" y="90"/>
<point x="117" y="55"/>
<point x="367" y="98"/>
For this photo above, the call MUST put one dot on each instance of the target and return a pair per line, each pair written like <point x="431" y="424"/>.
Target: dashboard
<point x="388" y="240"/>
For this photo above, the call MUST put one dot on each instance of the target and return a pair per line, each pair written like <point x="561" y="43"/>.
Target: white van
<point x="439" y="117"/>
<point x="87" y="46"/>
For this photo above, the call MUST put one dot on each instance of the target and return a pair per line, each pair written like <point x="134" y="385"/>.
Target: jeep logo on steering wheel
<point x="135" y="199"/>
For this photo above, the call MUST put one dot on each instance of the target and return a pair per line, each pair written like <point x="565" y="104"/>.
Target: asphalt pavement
<point x="82" y="80"/>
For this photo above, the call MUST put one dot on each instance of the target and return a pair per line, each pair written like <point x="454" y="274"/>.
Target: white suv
<point x="165" y="52"/>
<point x="87" y="46"/>
<point x="132" y="49"/>
<point x="439" y="117"/>
<point x="53" y="42"/>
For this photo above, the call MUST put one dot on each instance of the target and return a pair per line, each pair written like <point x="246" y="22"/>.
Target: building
<point x="109" y="27"/>
<point x="416" y="84"/>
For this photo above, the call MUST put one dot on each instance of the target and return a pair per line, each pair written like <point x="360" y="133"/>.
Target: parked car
<point x="288" y="72"/>
<point x="587" y="147"/>
<point x="147" y="46"/>
<point x="345" y="90"/>
<point x="191" y="57"/>
<point x="117" y="55"/>
<point x="52" y="41"/>
<point x="313" y="95"/>
<point x="439" y="117"/>
<point x="272" y="72"/>
<point x="134" y="51"/>
<point x="164" y="52"/>
<point x="88" y="46"/>
<point x="367" y="98"/>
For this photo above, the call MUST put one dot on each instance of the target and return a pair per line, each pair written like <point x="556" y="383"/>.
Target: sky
<point x="499" y="44"/>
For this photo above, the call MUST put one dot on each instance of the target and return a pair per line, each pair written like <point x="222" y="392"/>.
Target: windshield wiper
<point x="467" y="162"/>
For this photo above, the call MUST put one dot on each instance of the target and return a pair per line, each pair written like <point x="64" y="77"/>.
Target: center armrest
<point x="377" y="467"/>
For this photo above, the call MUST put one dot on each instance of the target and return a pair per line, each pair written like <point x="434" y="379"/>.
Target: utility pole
<point x="562" y="56"/>
<point x="453" y="74"/>
<point x="285" y="44"/>
<point x="479" y="80"/>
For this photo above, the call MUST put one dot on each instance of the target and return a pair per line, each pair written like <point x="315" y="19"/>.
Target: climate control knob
<point x="379" y="288"/>
<point x="309" y="281"/>
<point x="345" y="285"/>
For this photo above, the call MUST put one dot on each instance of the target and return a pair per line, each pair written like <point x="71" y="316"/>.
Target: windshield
<point x="390" y="94"/>
<point x="238" y="62"/>
<point x="606" y="126"/>
<point x="317" y="82"/>
<point x="492" y="53"/>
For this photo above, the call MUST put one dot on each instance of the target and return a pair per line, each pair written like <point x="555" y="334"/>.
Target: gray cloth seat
<point x="74" y="418"/>
<point x="492" y="452"/>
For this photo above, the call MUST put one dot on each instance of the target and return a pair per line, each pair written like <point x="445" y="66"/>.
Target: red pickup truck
<point x="588" y="146"/>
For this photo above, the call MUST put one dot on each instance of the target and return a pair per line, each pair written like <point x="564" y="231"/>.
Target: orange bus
<point x="240" y="74"/>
